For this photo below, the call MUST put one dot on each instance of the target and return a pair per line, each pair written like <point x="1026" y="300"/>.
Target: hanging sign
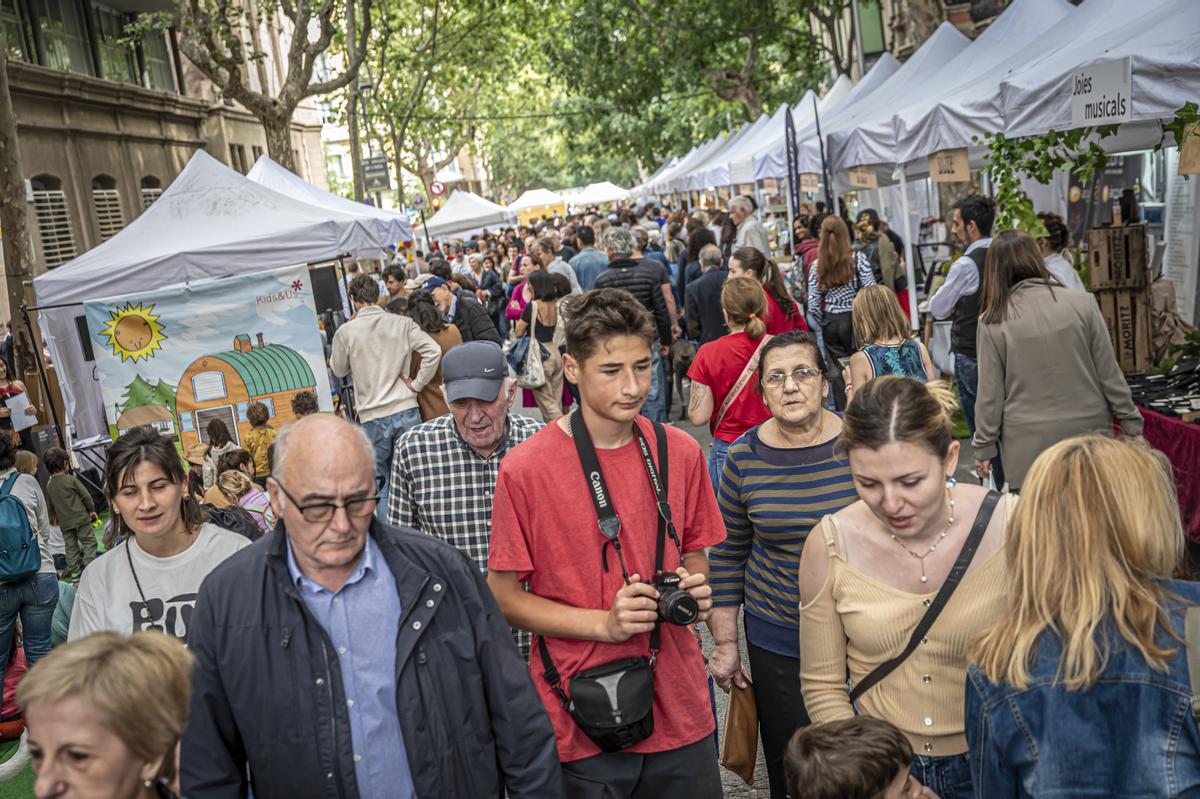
<point x="1102" y="94"/>
<point x="950" y="166"/>
<point x="863" y="177"/>
<point x="1189" y="151"/>
<point x="810" y="182"/>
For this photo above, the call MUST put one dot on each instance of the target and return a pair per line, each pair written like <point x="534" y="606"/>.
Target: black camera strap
<point x="610" y="522"/>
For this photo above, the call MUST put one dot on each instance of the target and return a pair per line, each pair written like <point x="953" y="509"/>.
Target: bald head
<point x="314" y="442"/>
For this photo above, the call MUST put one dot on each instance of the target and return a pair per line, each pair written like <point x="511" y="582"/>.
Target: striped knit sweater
<point x="771" y="500"/>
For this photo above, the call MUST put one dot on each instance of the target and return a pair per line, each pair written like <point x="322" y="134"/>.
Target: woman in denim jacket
<point x="1081" y="689"/>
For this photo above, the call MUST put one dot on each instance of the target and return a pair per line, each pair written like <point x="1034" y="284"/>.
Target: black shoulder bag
<point x="982" y="519"/>
<point x="613" y="702"/>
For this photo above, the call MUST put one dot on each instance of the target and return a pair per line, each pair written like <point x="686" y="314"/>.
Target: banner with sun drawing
<point x="180" y="356"/>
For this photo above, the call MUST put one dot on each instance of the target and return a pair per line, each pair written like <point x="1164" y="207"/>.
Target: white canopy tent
<point x="771" y="160"/>
<point x="741" y="160"/>
<point x="390" y="226"/>
<point x="466" y="213"/>
<point x="536" y="198"/>
<point x="600" y="193"/>
<point x="714" y="169"/>
<point x="667" y="181"/>
<point x="210" y="222"/>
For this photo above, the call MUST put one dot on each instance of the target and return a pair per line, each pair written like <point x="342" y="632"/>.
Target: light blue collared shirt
<point x="362" y="619"/>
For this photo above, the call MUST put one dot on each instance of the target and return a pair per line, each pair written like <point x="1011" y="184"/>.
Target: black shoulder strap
<point x="957" y="572"/>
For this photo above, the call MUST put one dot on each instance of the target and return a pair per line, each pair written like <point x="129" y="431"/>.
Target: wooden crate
<point x="1127" y="314"/>
<point x="1117" y="257"/>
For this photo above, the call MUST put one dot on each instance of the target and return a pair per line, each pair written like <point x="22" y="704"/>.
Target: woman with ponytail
<point x="722" y="395"/>
<point x="876" y="567"/>
<point x="1052" y="247"/>
<point x="782" y="313"/>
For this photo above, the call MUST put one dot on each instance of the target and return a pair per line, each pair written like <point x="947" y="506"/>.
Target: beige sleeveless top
<point x="857" y="622"/>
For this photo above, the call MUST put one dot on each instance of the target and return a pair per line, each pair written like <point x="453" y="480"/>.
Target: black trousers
<point x="780" y="709"/>
<point x="837" y="330"/>
<point x="689" y="772"/>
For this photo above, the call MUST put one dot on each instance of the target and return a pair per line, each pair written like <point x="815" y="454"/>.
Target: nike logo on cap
<point x="489" y="371"/>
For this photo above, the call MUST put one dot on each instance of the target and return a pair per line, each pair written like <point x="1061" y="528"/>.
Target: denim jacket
<point x="1130" y="735"/>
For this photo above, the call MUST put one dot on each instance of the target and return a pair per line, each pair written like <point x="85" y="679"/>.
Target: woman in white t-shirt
<point x="150" y="579"/>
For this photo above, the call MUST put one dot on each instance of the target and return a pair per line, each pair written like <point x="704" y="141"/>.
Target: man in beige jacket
<point x="377" y="348"/>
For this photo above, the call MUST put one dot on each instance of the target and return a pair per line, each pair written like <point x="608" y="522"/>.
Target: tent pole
<point x="910" y="263"/>
<point x="826" y="177"/>
<point x="41" y="368"/>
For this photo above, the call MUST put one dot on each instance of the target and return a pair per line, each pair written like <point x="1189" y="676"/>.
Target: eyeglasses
<point x="318" y="512"/>
<point x="801" y="375"/>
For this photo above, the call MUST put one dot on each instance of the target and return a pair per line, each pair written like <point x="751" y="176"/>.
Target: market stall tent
<point x="536" y="203"/>
<point x="714" y="169"/>
<point x="771" y="159"/>
<point x="210" y="222"/>
<point x="466" y="213"/>
<point x="600" y="193"/>
<point x="390" y="226"/>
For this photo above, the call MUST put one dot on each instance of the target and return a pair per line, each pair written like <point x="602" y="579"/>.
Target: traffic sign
<point x="418" y="202"/>
<point x="437" y="188"/>
<point x="375" y="165"/>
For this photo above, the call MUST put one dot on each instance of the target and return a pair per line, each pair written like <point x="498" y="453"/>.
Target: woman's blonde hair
<point x="877" y="316"/>
<point x="233" y="483"/>
<point x="1096" y="528"/>
<point x="745" y="304"/>
<point x="139" y="684"/>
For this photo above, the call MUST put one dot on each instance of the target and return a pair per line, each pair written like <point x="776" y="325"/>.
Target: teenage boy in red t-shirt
<point x="545" y="531"/>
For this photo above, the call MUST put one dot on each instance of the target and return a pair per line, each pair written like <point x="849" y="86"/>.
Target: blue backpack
<point x="20" y="556"/>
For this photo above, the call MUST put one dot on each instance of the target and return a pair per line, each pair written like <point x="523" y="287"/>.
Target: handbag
<point x="526" y="360"/>
<point x="613" y="703"/>
<point x="739" y="733"/>
<point x="939" y="602"/>
<point x="743" y="378"/>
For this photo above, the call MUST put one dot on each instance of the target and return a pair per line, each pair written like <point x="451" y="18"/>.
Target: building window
<point x="185" y="422"/>
<point x="256" y="152"/>
<point x="160" y="69"/>
<point x="54" y="222"/>
<point x="870" y="26"/>
<point x="151" y="191"/>
<point x="106" y="204"/>
<point x="224" y="413"/>
<point x="209" y="386"/>
<point x="270" y="403"/>
<point x="12" y="32"/>
<point x="237" y="158"/>
<point x="116" y="54"/>
<point x="62" y="30"/>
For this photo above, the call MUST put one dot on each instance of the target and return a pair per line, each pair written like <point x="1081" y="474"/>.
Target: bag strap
<point x="1191" y="636"/>
<point x="743" y="379"/>
<point x="6" y="489"/>
<point x="957" y="572"/>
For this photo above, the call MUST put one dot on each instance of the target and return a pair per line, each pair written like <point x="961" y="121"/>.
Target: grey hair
<point x="710" y="257"/>
<point x="619" y="242"/>
<point x="742" y="204"/>
<point x="473" y="257"/>
<point x="283" y="442"/>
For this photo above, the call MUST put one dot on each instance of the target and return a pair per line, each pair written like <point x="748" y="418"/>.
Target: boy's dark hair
<point x="56" y="460"/>
<point x="587" y="236"/>
<point x="304" y="403"/>
<point x="978" y="209"/>
<point x="441" y="269"/>
<point x="257" y="414"/>
<point x="602" y="314"/>
<point x="854" y="758"/>
<point x="364" y="290"/>
<point x="234" y="459"/>
<point x="395" y="272"/>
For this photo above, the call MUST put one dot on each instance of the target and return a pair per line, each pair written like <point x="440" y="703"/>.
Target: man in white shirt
<point x="750" y="232"/>
<point x="543" y="252"/>
<point x="959" y="296"/>
<point x="377" y="347"/>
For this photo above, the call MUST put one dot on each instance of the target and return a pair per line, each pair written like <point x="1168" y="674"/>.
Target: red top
<point x="718" y="365"/>
<point x="777" y="322"/>
<point x="544" y="528"/>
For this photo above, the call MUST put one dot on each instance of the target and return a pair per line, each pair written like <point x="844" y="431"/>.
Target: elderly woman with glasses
<point x="780" y="479"/>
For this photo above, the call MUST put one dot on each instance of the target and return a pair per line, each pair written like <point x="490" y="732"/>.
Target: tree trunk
<point x="356" y="167"/>
<point x="397" y="143"/>
<point x="13" y="218"/>
<point x="278" y="129"/>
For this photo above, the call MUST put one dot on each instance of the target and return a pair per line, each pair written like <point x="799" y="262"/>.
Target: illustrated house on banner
<point x="222" y="386"/>
<point x="157" y="416"/>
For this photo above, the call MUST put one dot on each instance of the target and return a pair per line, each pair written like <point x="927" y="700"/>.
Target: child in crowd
<point x="259" y="440"/>
<point x="857" y="758"/>
<point x="72" y="506"/>
<point x="234" y="460"/>
<point x="195" y="473"/>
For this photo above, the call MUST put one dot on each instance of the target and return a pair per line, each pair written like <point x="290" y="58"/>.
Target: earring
<point x="951" y="482"/>
<point x="148" y="783"/>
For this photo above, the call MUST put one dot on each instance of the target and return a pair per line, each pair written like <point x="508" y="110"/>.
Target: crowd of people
<point x="435" y="594"/>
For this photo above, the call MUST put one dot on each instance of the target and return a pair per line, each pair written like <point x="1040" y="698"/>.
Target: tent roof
<point x="666" y="181"/>
<point x="845" y="145"/>
<point x="741" y="160"/>
<point x="602" y="192"/>
<point x="1162" y="39"/>
<point x="709" y="171"/>
<point x="465" y="213"/>
<point x="873" y="139"/>
<point x="771" y="159"/>
<point x="389" y="225"/>
<point x="210" y="222"/>
<point x="536" y="198"/>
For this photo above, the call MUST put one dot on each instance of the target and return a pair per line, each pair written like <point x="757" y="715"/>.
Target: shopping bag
<point x="739" y="733"/>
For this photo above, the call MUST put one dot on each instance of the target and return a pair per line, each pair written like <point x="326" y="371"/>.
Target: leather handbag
<point x="739" y="733"/>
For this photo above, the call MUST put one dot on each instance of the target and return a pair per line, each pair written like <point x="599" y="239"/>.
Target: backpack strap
<point x="1191" y="638"/>
<point x="6" y="489"/>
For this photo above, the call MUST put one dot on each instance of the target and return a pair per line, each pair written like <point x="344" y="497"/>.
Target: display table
<point x="1180" y="442"/>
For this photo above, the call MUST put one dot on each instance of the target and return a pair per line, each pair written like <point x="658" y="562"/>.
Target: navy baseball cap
<point x="432" y="283"/>
<point x="474" y="370"/>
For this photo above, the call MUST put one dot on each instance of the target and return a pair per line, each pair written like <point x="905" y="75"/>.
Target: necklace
<point x="933" y="546"/>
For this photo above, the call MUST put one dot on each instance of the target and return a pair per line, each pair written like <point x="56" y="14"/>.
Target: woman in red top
<point x="723" y="395"/>
<point x="782" y="313"/>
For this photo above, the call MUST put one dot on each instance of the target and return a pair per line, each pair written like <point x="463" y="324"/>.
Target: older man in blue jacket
<point x="341" y="657"/>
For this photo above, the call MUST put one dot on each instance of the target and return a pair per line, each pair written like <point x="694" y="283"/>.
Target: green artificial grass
<point x="20" y="786"/>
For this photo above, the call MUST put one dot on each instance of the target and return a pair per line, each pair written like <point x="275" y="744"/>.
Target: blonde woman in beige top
<point x="868" y="579"/>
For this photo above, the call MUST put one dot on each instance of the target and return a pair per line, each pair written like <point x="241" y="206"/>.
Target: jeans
<point x="948" y="776"/>
<point x="966" y="378"/>
<point x="717" y="453"/>
<point x="384" y="433"/>
<point x="35" y="599"/>
<point x="781" y="709"/>
<point x="655" y="408"/>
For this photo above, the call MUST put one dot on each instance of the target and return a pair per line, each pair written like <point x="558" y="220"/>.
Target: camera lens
<point x="678" y="606"/>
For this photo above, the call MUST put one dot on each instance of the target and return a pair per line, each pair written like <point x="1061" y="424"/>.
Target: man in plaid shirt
<point x="444" y="470"/>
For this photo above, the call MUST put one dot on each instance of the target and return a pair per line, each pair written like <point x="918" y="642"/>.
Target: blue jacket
<point x="1131" y="734"/>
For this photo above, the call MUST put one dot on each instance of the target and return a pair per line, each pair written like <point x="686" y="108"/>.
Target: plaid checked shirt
<point x="444" y="488"/>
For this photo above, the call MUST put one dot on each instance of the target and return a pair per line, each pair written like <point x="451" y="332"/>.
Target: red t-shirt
<point x="544" y="528"/>
<point x="718" y="365"/>
<point x="776" y="321"/>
